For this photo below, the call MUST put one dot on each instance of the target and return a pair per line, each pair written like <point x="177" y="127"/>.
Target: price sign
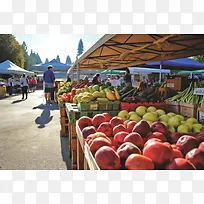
<point x="170" y="85"/>
<point x="199" y="91"/>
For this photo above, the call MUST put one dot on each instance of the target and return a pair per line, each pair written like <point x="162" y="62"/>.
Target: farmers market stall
<point x="141" y="128"/>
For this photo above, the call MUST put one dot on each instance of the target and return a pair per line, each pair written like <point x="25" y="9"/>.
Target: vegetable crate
<point x="85" y="158"/>
<point x="133" y="106"/>
<point x="64" y="126"/>
<point x="72" y="111"/>
<point x="173" y="106"/>
<point x="90" y="106"/>
<point x="72" y="145"/>
<point x="188" y="110"/>
<point x="200" y="114"/>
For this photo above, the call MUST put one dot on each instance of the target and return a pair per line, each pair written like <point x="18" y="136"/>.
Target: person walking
<point x="10" y="85"/>
<point x="24" y="86"/>
<point x="127" y="81"/>
<point x="96" y="79"/>
<point x="49" y="80"/>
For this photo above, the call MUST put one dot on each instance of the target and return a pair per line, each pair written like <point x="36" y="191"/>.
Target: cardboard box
<point x="200" y="114"/>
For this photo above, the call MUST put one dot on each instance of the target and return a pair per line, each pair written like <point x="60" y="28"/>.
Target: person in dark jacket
<point x="96" y="79"/>
<point x="49" y="80"/>
<point x="127" y="81"/>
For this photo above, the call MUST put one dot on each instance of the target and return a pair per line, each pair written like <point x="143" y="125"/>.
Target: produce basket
<point x="105" y="105"/>
<point x="92" y="105"/>
<point x="173" y="106"/>
<point x="188" y="110"/>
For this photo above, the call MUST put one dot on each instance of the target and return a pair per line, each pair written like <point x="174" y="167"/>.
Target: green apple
<point x="170" y="114"/>
<point x="151" y="109"/>
<point x="190" y="125"/>
<point x="135" y="117"/>
<point x="141" y="110"/>
<point x="174" y="121"/>
<point x="132" y="113"/>
<point x="192" y="120"/>
<point x="183" y="129"/>
<point x="164" y="118"/>
<point x="124" y="115"/>
<point x="165" y="123"/>
<point x="171" y="128"/>
<point x="197" y="128"/>
<point x="160" y="112"/>
<point x="150" y="117"/>
<point x="180" y="117"/>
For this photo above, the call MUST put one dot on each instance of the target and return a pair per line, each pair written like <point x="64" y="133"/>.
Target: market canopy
<point x="126" y="50"/>
<point x="8" y="67"/>
<point x="191" y="72"/>
<point x="113" y="72"/>
<point x="183" y="63"/>
<point x="148" y="70"/>
<point x="57" y="66"/>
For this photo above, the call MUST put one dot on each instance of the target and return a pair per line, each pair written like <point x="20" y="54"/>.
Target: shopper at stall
<point x="24" y="86"/>
<point x="10" y="85"/>
<point x="34" y="83"/>
<point x="49" y="80"/>
<point x="127" y="81"/>
<point x="96" y="79"/>
<point x="68" y="78"/>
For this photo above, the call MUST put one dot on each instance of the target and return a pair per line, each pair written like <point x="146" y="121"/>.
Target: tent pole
<point x="160" y="72"/>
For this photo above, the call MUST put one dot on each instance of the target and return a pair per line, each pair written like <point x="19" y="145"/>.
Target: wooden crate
<point x="62" y="111"/>
<point x="188" y="110"/>
<point x="88" y="161"/>
<point x="173" y="106"/>
<point x="64" y="126"/>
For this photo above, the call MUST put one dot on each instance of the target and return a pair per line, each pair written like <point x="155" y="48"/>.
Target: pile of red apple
<point x="140" y="146"/>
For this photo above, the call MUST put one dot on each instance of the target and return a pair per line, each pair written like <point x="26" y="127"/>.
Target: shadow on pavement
<point x="45" y="117"/>
<point x="65" y="152"/>
<point x="17" y="101"/>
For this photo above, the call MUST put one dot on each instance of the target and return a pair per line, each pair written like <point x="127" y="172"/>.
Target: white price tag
<point x="170" y="85"/>
<point x="201" y="118"/>
<point x="199" y="91"/>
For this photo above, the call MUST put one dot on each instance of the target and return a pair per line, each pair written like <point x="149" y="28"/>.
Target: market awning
<point x="8" y="67"/>
<point x="113" y="72"/>
<point x="148" y="70"/>
<point x="183" y="63"/>
<point x="191" y="72"/>
<point x="126" y="50"/>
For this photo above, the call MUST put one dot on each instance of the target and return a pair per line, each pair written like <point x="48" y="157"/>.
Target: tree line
<point x="11" y="49"/>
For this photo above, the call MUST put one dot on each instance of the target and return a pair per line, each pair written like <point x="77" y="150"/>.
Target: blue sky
<point x="49" y="46"/>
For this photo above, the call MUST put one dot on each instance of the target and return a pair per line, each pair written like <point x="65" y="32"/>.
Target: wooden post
<point x="78" y="71"/>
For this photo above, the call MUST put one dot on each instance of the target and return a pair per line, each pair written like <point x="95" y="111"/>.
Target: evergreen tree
<point x="80" y="49"/>
<point x="58" y="58"/>
<point x="46" y="61"/>
<point x="38" y="59"/>
<point x="199" y="58"/>
<point x="68" y="60"/>
<point x="10" y="49"/>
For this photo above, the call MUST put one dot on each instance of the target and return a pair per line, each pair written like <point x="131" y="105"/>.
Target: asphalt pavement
<point x="30" y="135"/>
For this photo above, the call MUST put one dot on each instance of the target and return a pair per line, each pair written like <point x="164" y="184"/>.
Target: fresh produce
<point x="187" y="96"/>
<point x="129" y="144"/>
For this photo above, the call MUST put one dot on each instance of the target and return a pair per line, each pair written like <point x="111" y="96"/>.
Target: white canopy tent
<point x="148" y="70"/>
<point x="8" y="67"/>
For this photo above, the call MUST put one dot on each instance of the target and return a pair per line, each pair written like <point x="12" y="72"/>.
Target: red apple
<point x="88" y="130"/>
<point x="174" y="136"/>
<point x="196" y="157"/>
<point x="125" y="150"/>
<point x="98" y="119"/>
<point x="97" y="143"/>
<point x="186" y="143"/>
<point x="130" y="125"/>
<point x="84" y="121"/>
<point x="177" y="154"/>
<point x="106" y="128"/>
<point x="139" y="162"/>
<point x="159" y="153"/>
<point x="120" y="136"/>
<point x="107" y="158"/>
<point x="158" y="127"/>
<point x="200" y="137"/>
<point x="114" y="148"/>
<point x="119" y="128"/>
<point x="158" y="135"/>
<point x="142" y="127"/>
<point x="180" y="164"/>
<point x="173" y="146"/>
<point x="107" y="116"/>
<point x="95" y="135"/>
<point x="116" y="121"/>
<point x="152" y="140"/>
<point x="135" y="138"/>
<point x="201" y="146"/>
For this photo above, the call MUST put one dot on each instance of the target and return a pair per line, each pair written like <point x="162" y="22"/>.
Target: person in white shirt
<point x="10" y="85"/>
<point x="24" y="86"/>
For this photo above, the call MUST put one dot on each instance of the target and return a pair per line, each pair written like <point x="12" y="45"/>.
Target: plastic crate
<point x="104" y="105"/>
<point x="116" y="105"/>
<point x="72" y="111"/>
<point x="114" y="113"/>
<point x="90" y="106"/>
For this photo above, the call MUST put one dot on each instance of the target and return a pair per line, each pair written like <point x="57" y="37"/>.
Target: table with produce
<point x="142" y="133"/>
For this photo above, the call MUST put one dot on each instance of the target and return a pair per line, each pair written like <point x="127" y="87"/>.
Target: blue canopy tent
<point x="182" y="64"/>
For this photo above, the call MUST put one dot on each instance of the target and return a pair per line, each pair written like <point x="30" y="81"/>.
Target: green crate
<point x="114" y="113"/>
<point x="72" y="111"/>
<point x="84" y="113"/>
<point x="105" y="105"/>
<point x="116" y="105"/>
<point x="90" y="106"/>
